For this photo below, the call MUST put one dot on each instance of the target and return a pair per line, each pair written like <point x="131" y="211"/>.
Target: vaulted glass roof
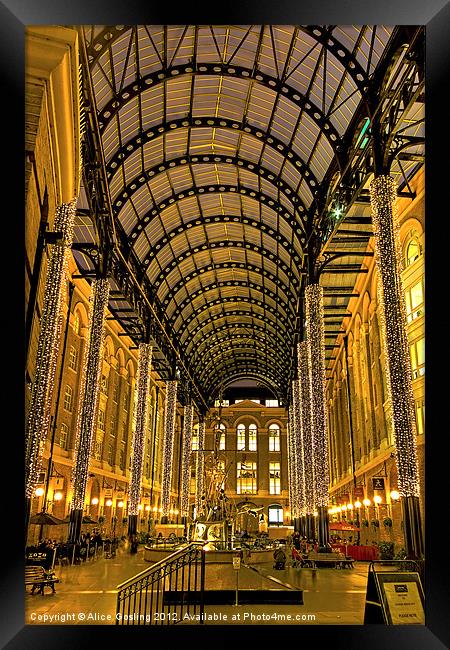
<point x="219" y="144"/>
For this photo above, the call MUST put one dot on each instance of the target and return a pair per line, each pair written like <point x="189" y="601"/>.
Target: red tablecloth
<point x="364" y="553"/>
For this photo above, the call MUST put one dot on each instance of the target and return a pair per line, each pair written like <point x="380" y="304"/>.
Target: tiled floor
<point x="86" y="594"/>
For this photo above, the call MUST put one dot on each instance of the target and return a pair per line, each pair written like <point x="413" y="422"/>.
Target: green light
<point x="363" y="130"/>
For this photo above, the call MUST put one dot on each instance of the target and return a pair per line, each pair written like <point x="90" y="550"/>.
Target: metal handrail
<point x="157" y="565"/>
<point x="143" y="598"/>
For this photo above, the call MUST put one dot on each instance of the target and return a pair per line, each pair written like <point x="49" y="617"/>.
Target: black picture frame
<point x="15" y="15"/>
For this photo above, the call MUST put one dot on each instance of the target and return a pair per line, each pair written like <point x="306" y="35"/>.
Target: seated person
<point x="280" y="558"/>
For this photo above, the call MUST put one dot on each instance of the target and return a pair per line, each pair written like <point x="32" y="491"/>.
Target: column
<point x="291" y="461"/>
<point x="48" y="348"/>
<point x="186" y="463"/>
<point x="316" y="356"/>
<point x="299" y="460"/>
<point x="140" y="426"/>
<point x="89" y="393"/>
<point x="398" y="366"/>
<point x="199" y="470"/>
<point x="169" y="435"/>
<point x="307" y="433"/>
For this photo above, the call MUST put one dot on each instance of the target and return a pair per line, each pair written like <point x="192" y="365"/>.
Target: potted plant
<point x="386" y="550"/>
<point x="387" y="521"/>
<point x="365" y="522"/>
<point x="101" y="520"/>
<point x="375" y="523"/>
<point x="125" y="520"/>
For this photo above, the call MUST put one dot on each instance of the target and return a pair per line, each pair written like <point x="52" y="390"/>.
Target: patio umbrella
<point x="45" y="519"/>
<point x="343" y="526"/>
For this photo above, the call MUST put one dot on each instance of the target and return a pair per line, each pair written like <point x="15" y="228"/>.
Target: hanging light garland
<point x="169" y="435"/>
<point x="299" y="494"/>
<point x="48" y="346"/>
<point x="316" y="356"/>
<point x="292" y="461"/>
<point x="140" y="424"/>
<point x="186" y="459"/>
<point x="391" y="298"/>
<point x="307" y="440"/>
<point x="89" y="390"/>
<point x="199" y="468"/>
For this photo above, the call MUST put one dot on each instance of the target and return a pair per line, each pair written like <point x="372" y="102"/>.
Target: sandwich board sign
<point x="394" y="598"/>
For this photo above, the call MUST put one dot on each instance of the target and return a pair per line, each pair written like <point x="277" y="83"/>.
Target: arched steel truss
<point x="169" y="266"/>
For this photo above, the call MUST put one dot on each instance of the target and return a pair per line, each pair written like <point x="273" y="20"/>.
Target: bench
<point x="337" y="560"/>
<point x="39" y="578"/>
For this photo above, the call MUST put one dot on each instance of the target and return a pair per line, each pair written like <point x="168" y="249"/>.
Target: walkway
<point x="87" y="594"/>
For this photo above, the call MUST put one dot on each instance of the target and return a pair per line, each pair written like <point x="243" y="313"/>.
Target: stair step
<point x="228" y="597"/>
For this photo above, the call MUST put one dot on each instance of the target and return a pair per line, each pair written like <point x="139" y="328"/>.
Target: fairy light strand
<point x="140" y="425"/>
<point x="290" y="460"/>
<point x="199" y="468"/>
<point x="169" y="435"/>
<point x="391" y="296"/>
<point x="89" y="390"/>
<point x="307" y="441"/>
<point x="298" y="453"/>
<point x="186" y="459"/>
<point x="316" y="355"/>
<point x="48" y="346"/>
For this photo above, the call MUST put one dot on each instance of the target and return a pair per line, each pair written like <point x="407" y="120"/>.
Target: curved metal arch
<point x="255" y="317"/>
<point x="280" y="320"/>
<point x="238" y="361"/>
<point x="205" y="369"/>
<point x="263" y="273"/>
<point x="218" y="285"/>
<point x="255" y="376"/>
<point x="259" y="134"/>
<point x="319" y="33"/>
<point x="158" y="246"/>
<point x="264" y="329"/>
<point x="240" y="370"/>
<point x="228" y="244"/>
<point x="265" y="352"/>
<point x="205" y="347"/>
<point x="209" y="189"/>
<point x="151" y="80"/>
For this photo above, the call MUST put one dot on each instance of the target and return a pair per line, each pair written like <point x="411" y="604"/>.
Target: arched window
<point x="220" y="436"/>
<point x="240" y="437"/>
<point x="76" y="323"/>
<point x="412" y="250"/>
<point x="68" y="393"/>
<point x="194" y="439"/>
<point x="275" y="515"/>
<point x="274" y="437"/>
<point x="252" y="437"/>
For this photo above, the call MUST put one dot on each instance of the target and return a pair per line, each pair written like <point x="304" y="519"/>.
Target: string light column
<point x="186" y="462"/>
<point x="169" y="435"/>
<point x="299" y="461"/>
<point x="199" y="469"/>
<point x="398" y="365"/>
<point x="291" y="459"/>
<point x="316" y="355"/>
<point x="307" y="438"/>
<point x="89" y="394"/>
<point x="48" y="348"/>
<point x="140" y="426"/>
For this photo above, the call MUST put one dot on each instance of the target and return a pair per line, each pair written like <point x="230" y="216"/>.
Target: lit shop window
<point x="274" y="437"/>
<point x="252" y="437"/>
<point x="220" y="435"/>
<point x="417" y="351"/>
<point x="272" y="402"/>
<point x="274" y="478"/>
<point x="246" y="478"/>
<point x="275" y="515"/>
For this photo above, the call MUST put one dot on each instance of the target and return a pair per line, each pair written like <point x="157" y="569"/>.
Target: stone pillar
<point x="291" y="460"/>
<point x="89" y="392"/>
<point x="140" y="426"/>
<point x="48" y="349"/>
<point x="316" y="356"/>
<point x="169" y="434"/>
<point x="398" y="365"/>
